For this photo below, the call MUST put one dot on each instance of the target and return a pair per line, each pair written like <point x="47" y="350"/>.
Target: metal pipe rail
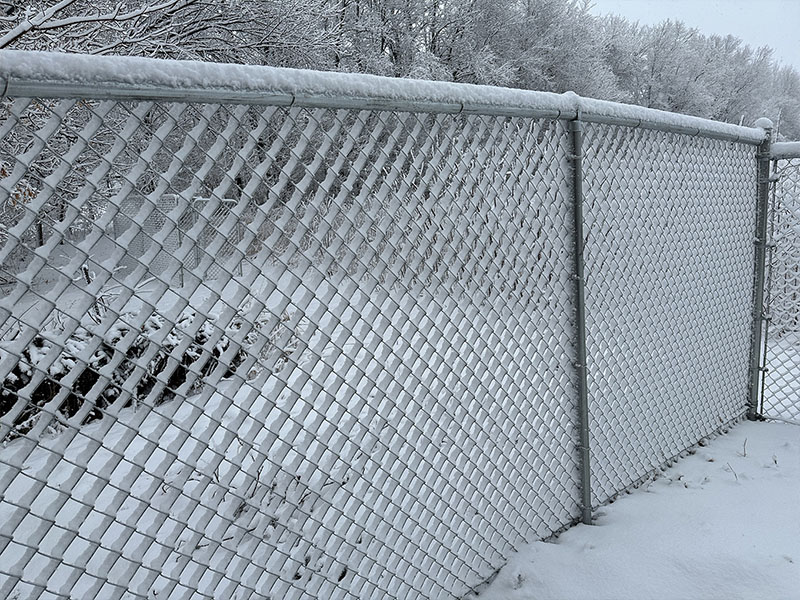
<point x="45" y="75"/>
<point x="785" y="150"/>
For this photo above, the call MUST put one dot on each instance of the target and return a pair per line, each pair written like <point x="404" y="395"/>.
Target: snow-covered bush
<point x="195" y="363"/>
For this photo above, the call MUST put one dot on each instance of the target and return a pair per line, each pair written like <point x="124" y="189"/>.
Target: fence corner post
<point x="576" y="137"/>
<point x="759" y="267"/>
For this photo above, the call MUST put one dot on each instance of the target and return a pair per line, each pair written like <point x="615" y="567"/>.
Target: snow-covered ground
<point x="721" y="523"/>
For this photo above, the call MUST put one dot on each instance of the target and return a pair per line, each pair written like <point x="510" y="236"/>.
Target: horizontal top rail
<point x="51" y="75"/>
<point x="780" y="150"/>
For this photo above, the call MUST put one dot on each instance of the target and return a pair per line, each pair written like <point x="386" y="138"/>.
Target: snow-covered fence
<point x="191" y="213"/>
<point x="781" y="380"/>
<point x="380" y="392"/>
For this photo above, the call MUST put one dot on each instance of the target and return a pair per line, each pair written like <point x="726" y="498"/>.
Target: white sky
<point x="774" y="23"/>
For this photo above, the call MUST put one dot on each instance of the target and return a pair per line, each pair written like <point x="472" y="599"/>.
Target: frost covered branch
<point x="290" y="33"/>
<point x="47" y="19"/>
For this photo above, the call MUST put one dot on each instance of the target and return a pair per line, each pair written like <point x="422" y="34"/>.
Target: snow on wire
<point x="313" y="335"/>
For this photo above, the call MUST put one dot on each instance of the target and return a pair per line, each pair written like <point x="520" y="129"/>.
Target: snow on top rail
<point x="781" y="150"/>
<point x="43" y="74"/>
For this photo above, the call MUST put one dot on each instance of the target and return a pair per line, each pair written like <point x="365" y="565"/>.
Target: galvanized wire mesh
<point x="669" y="272"/>
<point x="781" y="395"/>
<point x="263" y="352"/>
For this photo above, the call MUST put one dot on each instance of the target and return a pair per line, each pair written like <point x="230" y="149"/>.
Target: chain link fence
<point x="271" y="345"/>
<point x="781" y="380"/>
<point x="669" y="256"/>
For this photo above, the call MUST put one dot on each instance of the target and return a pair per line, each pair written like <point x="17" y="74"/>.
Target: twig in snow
<point x="734" y="472"/>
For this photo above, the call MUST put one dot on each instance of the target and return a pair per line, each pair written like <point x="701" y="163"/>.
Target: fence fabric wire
<point x="781" y="393"/>
<point x="267" y="352"/>
<point x="669" y="275"/>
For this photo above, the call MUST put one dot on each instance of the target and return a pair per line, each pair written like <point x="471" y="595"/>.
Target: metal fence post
<point x="769" y="256"/>
<point x="762" y="202"/>
<point x="576" y="135"/>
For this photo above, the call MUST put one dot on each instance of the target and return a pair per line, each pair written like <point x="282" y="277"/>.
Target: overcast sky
<point x="774" y="23"/>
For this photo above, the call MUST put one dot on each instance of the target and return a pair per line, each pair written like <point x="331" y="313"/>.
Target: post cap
<point x="763" y="123"/>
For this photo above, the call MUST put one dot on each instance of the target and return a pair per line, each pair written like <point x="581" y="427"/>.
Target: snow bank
<point x="56" y="74"/>
<point x="721" y="523"/>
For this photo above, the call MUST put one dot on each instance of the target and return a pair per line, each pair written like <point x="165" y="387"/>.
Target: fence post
<point x="760" y="240"/>
<point x="576" y="136"/>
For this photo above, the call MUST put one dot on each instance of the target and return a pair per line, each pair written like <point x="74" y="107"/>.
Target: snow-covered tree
<point x="285" y="32"/>
<point x="783" y="102"/>
<point x="553" y="45"/>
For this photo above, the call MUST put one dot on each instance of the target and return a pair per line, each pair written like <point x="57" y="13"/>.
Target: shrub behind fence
<point x="320" y="334"/>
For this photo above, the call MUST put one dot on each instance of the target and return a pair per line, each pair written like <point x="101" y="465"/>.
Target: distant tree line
<point x="552" y="45"/>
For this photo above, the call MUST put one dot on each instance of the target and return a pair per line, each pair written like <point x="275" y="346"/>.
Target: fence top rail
<point x="781" y="150"/>
<point x="60" y="75"/>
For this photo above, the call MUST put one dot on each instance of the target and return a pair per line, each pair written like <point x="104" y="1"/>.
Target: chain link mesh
<point x="781" y="395"/>
<point x="264" y="352"/>
<point x="669" y="275"/>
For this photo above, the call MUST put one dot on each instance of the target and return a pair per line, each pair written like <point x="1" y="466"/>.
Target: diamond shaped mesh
<point x="669" y="271"/>
<point x="264" y="352"/>
<point x="781" y="397"/>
